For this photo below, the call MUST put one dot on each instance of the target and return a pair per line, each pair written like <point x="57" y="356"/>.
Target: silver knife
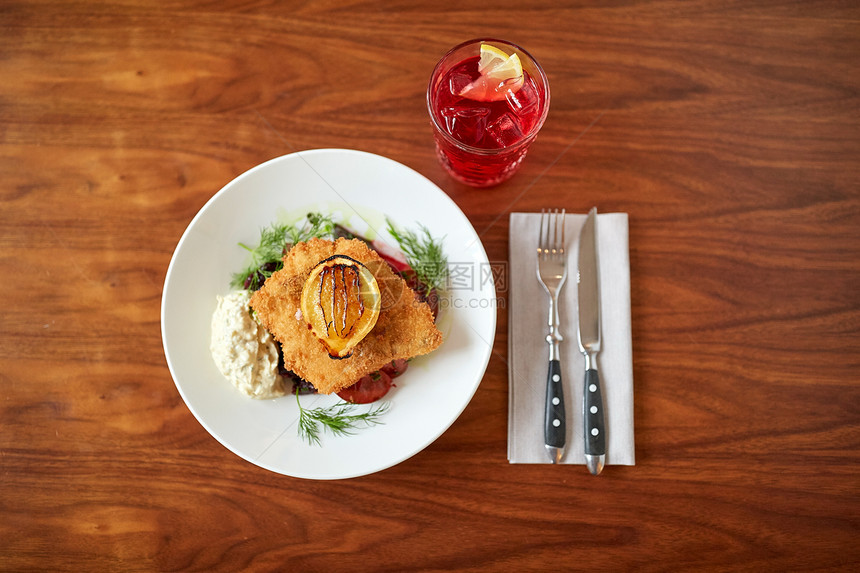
<point x="588" y="282"/>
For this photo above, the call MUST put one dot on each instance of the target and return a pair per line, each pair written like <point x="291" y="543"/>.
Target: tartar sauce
<point x="243" y="350"/>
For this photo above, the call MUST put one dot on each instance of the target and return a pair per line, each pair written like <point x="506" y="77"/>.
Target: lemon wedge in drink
<point x="340" y="303"/>
<point x="500" y="73"/>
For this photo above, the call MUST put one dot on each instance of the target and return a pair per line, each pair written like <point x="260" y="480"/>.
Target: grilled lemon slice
<point x="340" y="303"/>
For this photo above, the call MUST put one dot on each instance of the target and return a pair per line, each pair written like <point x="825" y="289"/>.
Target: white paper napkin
<point x="528" y="350"/>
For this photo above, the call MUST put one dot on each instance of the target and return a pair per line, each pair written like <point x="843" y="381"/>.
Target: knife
<point x="588" y="283"/>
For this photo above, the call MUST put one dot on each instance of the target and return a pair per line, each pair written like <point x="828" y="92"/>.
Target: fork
<point x="551" y="272"/>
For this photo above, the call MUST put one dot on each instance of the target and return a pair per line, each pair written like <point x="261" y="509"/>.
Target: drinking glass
<point x="480" y="142"/>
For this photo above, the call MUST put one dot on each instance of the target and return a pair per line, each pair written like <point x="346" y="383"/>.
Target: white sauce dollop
<point x="244" y="351"/>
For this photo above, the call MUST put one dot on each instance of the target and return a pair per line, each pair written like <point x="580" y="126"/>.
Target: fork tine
<point x="543" y="233"/>
<point x="560" y="221"/>
<point x="540" y="234"/>
<point x="554" y="224"/>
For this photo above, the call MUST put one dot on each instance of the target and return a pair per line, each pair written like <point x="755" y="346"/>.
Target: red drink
<point x="483" y="127"/>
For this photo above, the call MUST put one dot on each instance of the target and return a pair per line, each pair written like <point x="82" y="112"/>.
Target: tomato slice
<point x="369" y="388"/>
<point x="396" y="367"/>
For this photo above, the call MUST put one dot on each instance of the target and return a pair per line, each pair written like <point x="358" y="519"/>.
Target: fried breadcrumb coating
<point x="405" y="327"/>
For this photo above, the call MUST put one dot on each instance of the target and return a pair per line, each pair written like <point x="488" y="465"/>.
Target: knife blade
<point x="588" y="283"/>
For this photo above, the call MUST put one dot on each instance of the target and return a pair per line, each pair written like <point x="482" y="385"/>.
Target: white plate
<point x="362" y="189"/>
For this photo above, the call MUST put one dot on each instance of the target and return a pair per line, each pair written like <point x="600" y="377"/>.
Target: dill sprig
<point x="423" y="253"/>
<point x="317" y="226"/>
<point x="275" y="240"/>
<point x="265" y="257"/>
<point x="337" y="419"/>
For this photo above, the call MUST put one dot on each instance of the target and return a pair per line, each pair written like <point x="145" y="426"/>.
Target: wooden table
<point x="729" y="132"/>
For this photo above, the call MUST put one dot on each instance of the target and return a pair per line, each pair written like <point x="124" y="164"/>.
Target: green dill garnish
<point x="275" y="241"/>
<point x="317" y="226"/>
<point x="337" y="419"/>
<point x="269" y="251"/>
<point x="423" y="253"/>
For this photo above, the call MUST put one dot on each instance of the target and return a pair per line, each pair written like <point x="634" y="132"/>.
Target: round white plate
<point x="361" y="189"/>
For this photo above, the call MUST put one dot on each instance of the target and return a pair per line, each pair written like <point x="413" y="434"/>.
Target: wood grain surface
<point x="730" y="133"/>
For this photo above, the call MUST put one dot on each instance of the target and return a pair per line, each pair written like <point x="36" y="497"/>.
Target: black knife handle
<point x="592" y="415"/>
<point x="554" y="419"/>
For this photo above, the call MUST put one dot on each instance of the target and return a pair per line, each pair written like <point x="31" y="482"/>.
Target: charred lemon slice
<point x="340" y="303"/>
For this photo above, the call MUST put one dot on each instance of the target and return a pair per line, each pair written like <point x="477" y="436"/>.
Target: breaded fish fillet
<point x="405" y="327"/>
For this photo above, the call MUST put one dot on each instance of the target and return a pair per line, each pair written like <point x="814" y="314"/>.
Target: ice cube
<point x="449" y="114"/>
<point x="468" y="124"/>
<point x="458" y="82"/>
<point x="524" y="100"/>
<point x="506" y="130"/>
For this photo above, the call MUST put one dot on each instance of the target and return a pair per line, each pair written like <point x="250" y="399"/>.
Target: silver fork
<point x="551" y="272"/>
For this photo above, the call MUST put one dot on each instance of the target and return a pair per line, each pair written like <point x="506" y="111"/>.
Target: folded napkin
<point x="528" y="350"/>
